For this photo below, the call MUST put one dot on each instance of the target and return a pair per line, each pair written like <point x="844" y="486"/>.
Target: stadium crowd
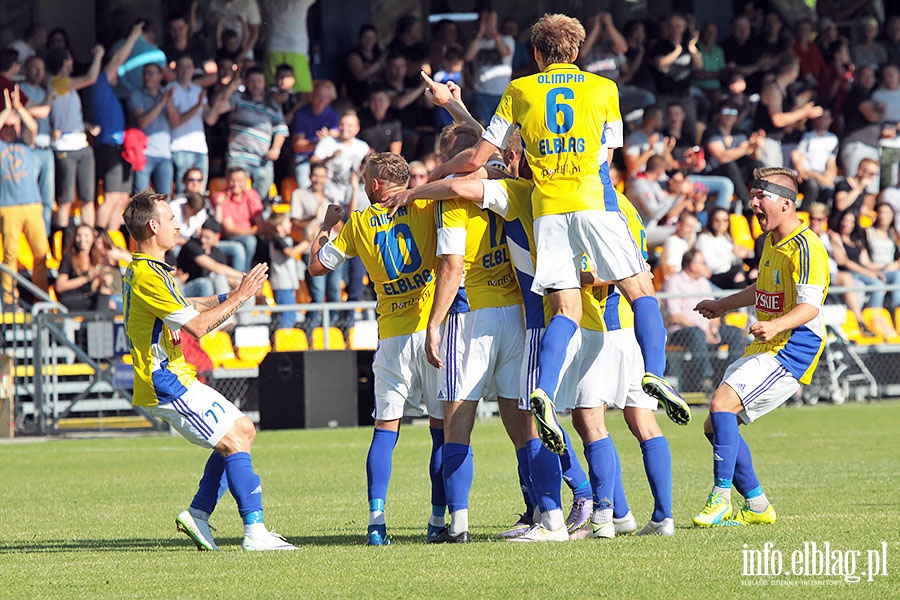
<point x="222" y="113"/>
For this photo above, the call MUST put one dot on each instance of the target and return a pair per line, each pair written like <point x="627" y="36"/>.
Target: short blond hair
<point x="387" y="166"/>
<point x="789" y="176"/>
<point x="558" y="38"/>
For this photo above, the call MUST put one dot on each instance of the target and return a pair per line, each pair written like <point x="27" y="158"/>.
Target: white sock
<point x="758" y="504"/>
<point x="553" y="520"/>
<point x="376" y="517"/>
<point x="459" y="521"/>
<point x="601" y="516"/>
<point x="199" y="514"/>
<point x="255" y="530"/>
<point x="726" y="492"/>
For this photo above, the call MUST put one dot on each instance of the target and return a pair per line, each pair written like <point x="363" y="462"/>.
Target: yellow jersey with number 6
<point x="569" y="119"/>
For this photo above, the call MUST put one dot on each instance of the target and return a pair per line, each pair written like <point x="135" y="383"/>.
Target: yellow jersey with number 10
<point x="569" y="119"/>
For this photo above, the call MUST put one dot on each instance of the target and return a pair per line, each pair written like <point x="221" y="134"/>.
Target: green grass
<point x="91" y="518"/>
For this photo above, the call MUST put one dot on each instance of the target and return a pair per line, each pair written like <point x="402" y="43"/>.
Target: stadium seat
<point x="755" y="229"/>
<point x="364" y="335"/>
<point x="252" y="343"/>
<point x="267" y="293"/>
<point x="878" y="320"/>
<point x="56" y="245"/>
<point x="866" y="221"/>
<point x="220" y="350"/>
<point x="118" y="238"/>
<point x="736" y="319"/>
<point x="288" y="185"/>
<point x="740" y="231"/>
<point x="335" y="339"/>
<point x="291" y="340"/>
<point x="854" y="333"/>
<point x="26" y="257"/>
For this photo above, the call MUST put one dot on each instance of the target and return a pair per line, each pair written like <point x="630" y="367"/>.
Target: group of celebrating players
<point x="519" y="274"/>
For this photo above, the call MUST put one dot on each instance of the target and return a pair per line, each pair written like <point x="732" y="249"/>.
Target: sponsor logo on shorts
<point x="767" y="302"/>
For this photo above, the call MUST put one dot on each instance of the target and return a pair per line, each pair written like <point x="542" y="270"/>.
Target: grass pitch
<point x="93" y="518"/>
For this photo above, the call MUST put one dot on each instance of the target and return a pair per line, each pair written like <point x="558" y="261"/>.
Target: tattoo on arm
<point x="223" y="318"/>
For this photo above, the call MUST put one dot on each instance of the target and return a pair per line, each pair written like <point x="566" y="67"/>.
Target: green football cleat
<point x="676" y="408"/>
<point x="716" y="510"/>
<point x="548" y="427"/>
<point x="746" y="516"/>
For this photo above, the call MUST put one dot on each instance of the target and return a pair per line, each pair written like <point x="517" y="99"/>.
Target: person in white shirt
<point x="341" y="156"/>
<point x="187" y="112"/>
<point x="815" y="160"/>
<point x="490" y="55"/>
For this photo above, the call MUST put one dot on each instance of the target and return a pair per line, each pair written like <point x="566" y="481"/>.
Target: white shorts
<point x="202" y="415"/>
<point x="602" y="235"/>
<point x="610" y="367"/>
<point x="483" y="354"/>
<point x="568" y="379"/>
<point x="762" y="383"/>
<point x="405" y="384"/>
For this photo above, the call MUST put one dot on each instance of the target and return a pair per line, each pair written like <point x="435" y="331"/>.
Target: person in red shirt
<point x="239" y="209"/>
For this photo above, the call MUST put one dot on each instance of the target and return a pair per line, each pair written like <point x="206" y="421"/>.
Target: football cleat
<point x="377" y="536"/>
<point x="665" y="527"/>
<point x="539" y="533"/>
<point x="549" y="429"/>
<point x="580" y="515"/>
<point x="626" y="525"/>
<point x="443" y="537"/>
<point x="716" y="510"/>
<point x="198" y="530"/>
<point x="270" y="541"/>
<point x="676" y="408"/>
<point x="746" y="516"/>
<point x="604" y="530"/>
<point x="519" y="527"/>
<point x="432" y="531"/>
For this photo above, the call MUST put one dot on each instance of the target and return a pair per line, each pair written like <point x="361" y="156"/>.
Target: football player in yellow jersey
<point x="570" y="124"/>
<point x="399" y="254"/>
<point x="790" y="336"/>
<point x="166" y="386"/>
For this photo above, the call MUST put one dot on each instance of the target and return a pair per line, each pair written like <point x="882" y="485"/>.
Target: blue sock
<point x="379" y="462"/>
<point x="745" y="480"/>
<point x="620" y="503"/>
<point x="207" y="495"/>
<point x="650" y="332"/>
<point x="658" y="466"/>
<point x="572" y="472"/>
<point x="553" y="352"/>
<point x="438" y="495"/>
<point x="725" y="447"/>
<point x="525" y="480"/>
<point x="546" y="475"/>
<point x="459" y="471"/>
<point x="601" y="461"/>
<point x="245" y="486"/>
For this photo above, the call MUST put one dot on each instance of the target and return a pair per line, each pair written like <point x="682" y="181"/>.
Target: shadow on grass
<point x="121" y="545"/>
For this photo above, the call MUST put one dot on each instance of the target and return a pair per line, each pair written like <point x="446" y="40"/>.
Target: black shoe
<point x="444" y="537"/>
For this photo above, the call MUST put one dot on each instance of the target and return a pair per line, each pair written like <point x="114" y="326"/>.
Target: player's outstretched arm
<point x="444" y="189"/>
<point x="211" y="318"/>
<point x="464" y="162"/>
<point x="713" y="309"/>
<point x="333" y="214"/>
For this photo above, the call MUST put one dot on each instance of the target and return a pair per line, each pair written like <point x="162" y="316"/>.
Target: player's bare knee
<point x="725" y="399"/>
<point x="642" y="423"/>
<point x="637" y="286"/>
<point x="392" y="425"/>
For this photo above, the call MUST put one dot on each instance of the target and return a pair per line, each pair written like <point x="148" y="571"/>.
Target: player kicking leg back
<point x="166" y="385"/>
<point x="789" y="339"/>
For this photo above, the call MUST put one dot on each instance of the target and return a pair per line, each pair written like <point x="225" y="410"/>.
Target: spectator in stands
<point x="655" y="205"/>
<point x="256" y="132"/>
<point x="190" y="208"/>
<point x="74" y="156"/>
<point x="648" y="141"/>
<point x="888" y="95"/>
<point x="242" y="17"/>
<point x="862" y="124"/>
<point x="187" y="112"/>
<point x="21" y="207"/>
<point x="882" y="242"/>
<point x="636" y="71"/>
<point x="676" y="245"/>
<point x="852" y="256"/>
<point x="489" y="56"/>
<point x="58" y="39"/>
<point x="35" y="90"/>
<point x="418" y="174"/>
<point x="312" y="122"/>
<point x="836" y="80"/>
<point x="408" y="100"/>
<point x="444" y="35"/>
<point x="691" y="159"/>
<point x="143" y="52"/>
<point x="723" y="256"/>
<point x="380" y="126"/>
<point x="79" y="283"/>
<point x="675" y="57"/>
<point x="32" y="41"/>
<point x="202" y="270"/>
<point x="102" y="107"/>
<point x="342" y="156"/>
<point x="284" y="266"/>
<point x="690" y="195"/>
<point x="287" y="40"/>
<point x="450" y="73"/>
<point x="283" y="92"/>
<point x="852" y="194"/>
<point x="731" y="154"/>
<point x="408" y="43"/>
<point x="308" y="204"/>
<point x="708" y="78"/>
<point x="776" y="44"/>
<point x="808" y="52"/>
<point x="868" y="51"/>
<point x="603" y="50"/>
<point x="818" y="219"/>
<point x="9" y="71"/>
<point x="815" y="161"/>
<point x="149" y="110"/>
<point x="106" y="254"/>
<point x="742" y="52"/>
<point x="365" y="62"/>
<point x="735" y="91"/>
<point x="239" y="210"/>
<point x="685" y="326"/>
<point x="892" y="39"/>
<point x="779" y="112"/>
<point x="181" y="41"/>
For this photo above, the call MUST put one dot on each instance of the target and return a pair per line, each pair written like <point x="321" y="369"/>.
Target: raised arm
<point x="218" y="309"/>
<point x="124" y="51"/>
<point x="89" y="78"/>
